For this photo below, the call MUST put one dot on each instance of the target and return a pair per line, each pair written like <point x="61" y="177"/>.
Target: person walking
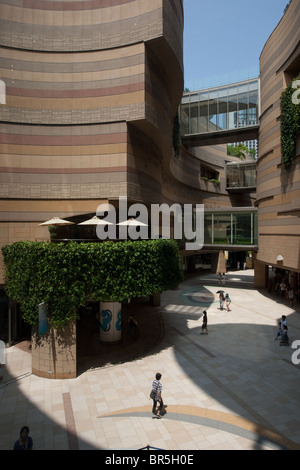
<point x="227" y="301"/>
<point x="291" y="296"/>
<point x="284" y="339"/>
<point x="283" y="289"/>
<point x="157" y="396"/>
<point x="279" y="332"/>
<point x="221" y="300"/>
<point x="283" y="321"/>
<point x="204" y="324"/>
<point x="132" y="325"/>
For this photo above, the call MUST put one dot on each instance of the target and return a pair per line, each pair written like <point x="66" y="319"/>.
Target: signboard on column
<point x="110" y="321"/>
<point x="43" y="309"/>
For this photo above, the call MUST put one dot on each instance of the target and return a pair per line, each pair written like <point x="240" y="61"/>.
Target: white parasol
<point x="133" y="222"/>
<point x="56" y="221"/>
<point x="95" y="221"/>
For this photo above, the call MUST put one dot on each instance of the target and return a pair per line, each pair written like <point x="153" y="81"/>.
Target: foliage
<point x="290" y="125"/>
<point x="287" y="6"/>
<point x="212" y="180"/>
<point x="67" y="275"/>
<point x="240" y="151"/>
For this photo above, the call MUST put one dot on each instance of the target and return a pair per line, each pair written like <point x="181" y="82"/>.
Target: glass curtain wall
<point x="222" y="108"/>
<point x="230" y="228"/>
<point x="241" y="175"/>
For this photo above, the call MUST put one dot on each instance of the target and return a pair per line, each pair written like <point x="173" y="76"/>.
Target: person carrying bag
<point x="156" y="396"/>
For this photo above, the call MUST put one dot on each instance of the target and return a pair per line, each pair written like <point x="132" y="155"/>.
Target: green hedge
<point x="66" y="275"/>
<point x="290" y="125"/>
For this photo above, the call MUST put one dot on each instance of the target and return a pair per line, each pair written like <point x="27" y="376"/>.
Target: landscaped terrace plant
<point x="290" y="123"/>
<point x="67" y="275"/>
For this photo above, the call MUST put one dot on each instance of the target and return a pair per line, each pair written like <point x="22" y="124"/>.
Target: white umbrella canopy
<point x="133" y="222"/>
<point x="57" y="221"/>
<point x="95" y="221"/>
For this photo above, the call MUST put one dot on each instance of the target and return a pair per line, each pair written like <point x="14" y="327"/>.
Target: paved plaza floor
<point x="234" y="389"/>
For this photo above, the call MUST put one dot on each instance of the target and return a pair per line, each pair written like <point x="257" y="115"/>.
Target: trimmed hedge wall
<point x="66" y="275"/>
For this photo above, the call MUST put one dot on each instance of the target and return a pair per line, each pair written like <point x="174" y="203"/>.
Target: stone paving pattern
<point x="234" y="389"/>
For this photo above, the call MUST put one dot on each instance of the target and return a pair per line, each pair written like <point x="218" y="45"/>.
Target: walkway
<point x="218" y="115"/>
<point x="235" y="388"/>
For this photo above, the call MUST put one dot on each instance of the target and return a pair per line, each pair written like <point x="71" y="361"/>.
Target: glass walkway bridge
<point x="232" y="229"/>
<point x="220" y="115"/>
<point x="224" y="114"/>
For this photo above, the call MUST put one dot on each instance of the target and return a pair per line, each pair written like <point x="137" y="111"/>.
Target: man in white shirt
<point x="157" y="388"/>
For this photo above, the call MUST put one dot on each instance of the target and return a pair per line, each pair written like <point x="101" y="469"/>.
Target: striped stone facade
<point x="92" y="89"/>
<point x="278" y="189"/>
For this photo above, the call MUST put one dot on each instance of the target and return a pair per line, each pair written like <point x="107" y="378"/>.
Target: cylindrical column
<point x="110" y="321"/>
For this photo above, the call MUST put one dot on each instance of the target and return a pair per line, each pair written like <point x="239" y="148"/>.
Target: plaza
<point x="233" y="389"/>
<point x="93" y="110"/>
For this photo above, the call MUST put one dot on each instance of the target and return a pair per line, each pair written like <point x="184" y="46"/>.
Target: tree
<point x="240" y="151"/>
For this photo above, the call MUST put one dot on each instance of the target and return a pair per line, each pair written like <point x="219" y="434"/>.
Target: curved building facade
<point x="278" y="188"/>
<point x="91" y="93"/>
<point x="92" y="90"/>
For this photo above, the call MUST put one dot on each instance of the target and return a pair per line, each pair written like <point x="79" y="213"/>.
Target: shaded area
<point x="93" y="353"/>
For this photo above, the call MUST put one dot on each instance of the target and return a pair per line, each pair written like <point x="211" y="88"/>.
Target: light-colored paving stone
<point x="235" y="388"/>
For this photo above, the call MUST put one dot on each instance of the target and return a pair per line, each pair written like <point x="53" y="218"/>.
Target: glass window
<point x="213" y="94"/>
<point x="213" y="115"/>
<point x="208" y="229"/>
<point x="233" y="176"/>
<point x="194" y="115"/>
<point x="241" y="175"/>
<point x="223" y="116"/>
<point x="254" y="228"/>
<point x="242" y="229"/>
<point x="243" y="88"/>
<point x="232" y="112"/>
<point x="253" y="107"/>
<point x="203" y="110"/>
<point x="243" y="120"/>
<point x="249" y="175"/>
<point x="230" y="228"/>
<point x="253" y="85"/>
<point x="184" y="118"/>
<point x="222" y="229"/>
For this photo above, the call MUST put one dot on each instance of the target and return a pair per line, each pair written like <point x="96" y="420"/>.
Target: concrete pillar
<point x="155" y="299"/>
<point x="260" y="274"/>
<point x="54" y="353"/>
<point x="218" y="262"/>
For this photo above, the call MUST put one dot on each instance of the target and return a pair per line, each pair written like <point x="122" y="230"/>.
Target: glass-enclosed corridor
<point x="223" y="108"/>
<point x="232" y="227"/>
